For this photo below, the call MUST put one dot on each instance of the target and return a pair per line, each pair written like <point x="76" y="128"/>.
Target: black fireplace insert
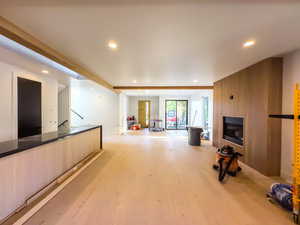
<point x="233" y="129"/>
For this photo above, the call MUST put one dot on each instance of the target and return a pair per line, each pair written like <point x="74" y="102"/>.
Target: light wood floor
<point x="160" y="180"/>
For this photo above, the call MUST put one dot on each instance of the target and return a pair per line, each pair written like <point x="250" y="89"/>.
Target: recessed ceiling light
<point x="195" y="81"/>
<point x="134" y="81"/>
<point x="112" y="44"/>
<point x="248" y="44"/>
<point x="45" y="71"/>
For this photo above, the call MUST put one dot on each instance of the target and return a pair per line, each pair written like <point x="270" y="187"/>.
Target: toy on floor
<point x="282" y="194"/>
<point x="136" y="127"/>
<point x="227" y="162"/>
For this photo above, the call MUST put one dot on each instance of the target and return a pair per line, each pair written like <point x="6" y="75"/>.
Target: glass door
<point x="182" y="117"/>
<point x="171" y="115"/>
<point x="176" y="114"/>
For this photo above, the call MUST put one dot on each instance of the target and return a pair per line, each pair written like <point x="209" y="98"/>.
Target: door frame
<point x="187" y="113"/>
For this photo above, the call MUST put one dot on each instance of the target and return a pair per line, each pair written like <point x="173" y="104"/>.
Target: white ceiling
<point x="161" y="42"/>
<point x="40" y="60"/>
<point x="14" y="54"/>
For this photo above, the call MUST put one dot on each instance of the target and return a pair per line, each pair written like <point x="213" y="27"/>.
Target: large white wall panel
<point x="96" y="104"/>
<point x="123" y="112"/>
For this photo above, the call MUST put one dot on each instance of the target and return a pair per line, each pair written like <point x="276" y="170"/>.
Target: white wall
<point x="7" y="113"/>
<point x="96" y="104"/>
<point x="291" y="76"/>
<point x="123" y="112"/>
<point x="8" y="103"/>
<point x="133" y="106"/>
<point x="197" y="111"/>
<point x="64" y="106"/>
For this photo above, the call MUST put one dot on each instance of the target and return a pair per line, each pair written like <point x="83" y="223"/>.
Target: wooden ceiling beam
<point x="162" y="87"/>
<point x="18" y="35"/>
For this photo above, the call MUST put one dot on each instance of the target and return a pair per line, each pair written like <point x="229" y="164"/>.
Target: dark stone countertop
<point x="18" y="145"/>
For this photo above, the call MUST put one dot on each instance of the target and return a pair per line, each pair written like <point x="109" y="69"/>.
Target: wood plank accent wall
<point x="257" y="92"/>
<point x="24" y="174"/>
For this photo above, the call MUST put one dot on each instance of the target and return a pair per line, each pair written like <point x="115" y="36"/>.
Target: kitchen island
<point x="31" y="164"/>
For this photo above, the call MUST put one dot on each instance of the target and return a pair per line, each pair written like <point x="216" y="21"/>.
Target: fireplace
<point x="233" y="129"/>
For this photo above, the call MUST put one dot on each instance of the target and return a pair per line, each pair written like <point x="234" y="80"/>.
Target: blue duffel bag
<point x="282" y="194"/>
